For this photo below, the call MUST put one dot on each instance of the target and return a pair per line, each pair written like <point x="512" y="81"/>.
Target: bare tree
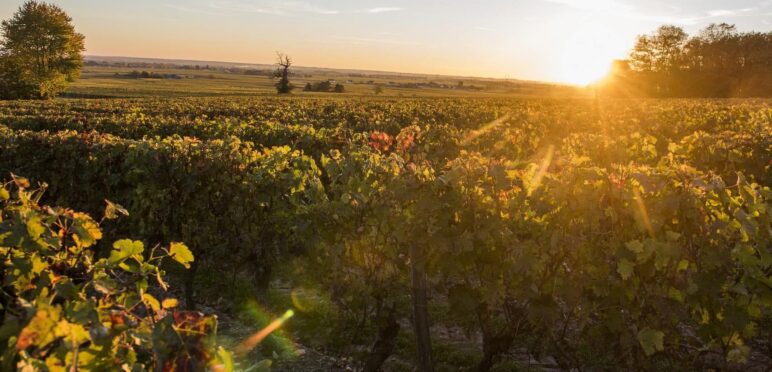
<point x="283" y="64"/>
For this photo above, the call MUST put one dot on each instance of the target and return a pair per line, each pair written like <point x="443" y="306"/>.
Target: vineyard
<point x="491" y="233"/>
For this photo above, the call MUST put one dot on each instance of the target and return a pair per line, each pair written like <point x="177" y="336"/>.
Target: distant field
<point x="103" y="82"/>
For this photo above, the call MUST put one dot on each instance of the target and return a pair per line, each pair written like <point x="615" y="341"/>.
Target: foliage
<point x="64" y="307"/>
<point x="236" y="199"/>
<point x="39" y="52"/>
<point x="620" y="234"/>
<point x="325" y="86"/>
<point x="718" y="62"/>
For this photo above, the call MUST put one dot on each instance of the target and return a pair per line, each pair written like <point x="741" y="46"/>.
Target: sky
<point x="547" y="40"/>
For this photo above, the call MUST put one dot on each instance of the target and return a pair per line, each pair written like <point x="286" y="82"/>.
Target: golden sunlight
<point x="584" y="59"/>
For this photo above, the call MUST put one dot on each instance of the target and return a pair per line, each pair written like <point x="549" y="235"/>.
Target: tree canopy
<point x="718" y="62"/>
<point x="40" y="52"/>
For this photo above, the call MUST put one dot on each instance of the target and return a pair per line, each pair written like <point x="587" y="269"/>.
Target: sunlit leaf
<point x="181" y="254"/>
<point x="169" y="303"/>
<point x="123" y="249"/>
<point x="151" y="301"/>
<point x="35" y="228"/>
<point x="86" y="229"/>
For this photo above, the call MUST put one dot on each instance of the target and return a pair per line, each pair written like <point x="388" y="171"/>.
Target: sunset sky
<point x="552" y="40"/>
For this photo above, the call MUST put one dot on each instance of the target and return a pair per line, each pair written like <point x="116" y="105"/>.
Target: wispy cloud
<point x="373" y="41"/>
<point x="272" y="7"/>
<point x="380" y="9"/>
<point x="192" y="10"/>
<point x="619" y="8"/>
<point x="595" y="5"/>
<point x="729" y="12"/>
<point x="483" y="28"/>
<point x="695" y="19"/>
<point x="288" y="8"/>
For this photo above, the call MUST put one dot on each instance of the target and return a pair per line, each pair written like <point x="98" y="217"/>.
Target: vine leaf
<point x="151" y="301"/>
<point x="181" y="254"/>
<point x="651" y="340"/>
<point x="86" y="230"/>
<point x="113" y="210"/>
<point x="625" y="268"/>
<point x="124" y="249"/>
<point x="35" y="228"/>
<point x="169" y="303"/>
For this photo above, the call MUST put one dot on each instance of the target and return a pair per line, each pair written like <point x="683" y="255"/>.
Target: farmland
<point x="108" y="79"/>
<point x="564" y="232"/>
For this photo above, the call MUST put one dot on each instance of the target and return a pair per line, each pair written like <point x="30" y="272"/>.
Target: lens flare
<point x="254" y="340"/>
<point x="539" y="176"/>
<point x="272" y="331"/>
<point x="484" y="129"/>
<point x="644" y="213"/>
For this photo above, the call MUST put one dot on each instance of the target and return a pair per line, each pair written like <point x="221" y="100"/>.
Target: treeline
<point x="718" y="62"/>
<point x="150" y="75"/>
<point x="155" y="65"/>
<point x="325" y="86"/>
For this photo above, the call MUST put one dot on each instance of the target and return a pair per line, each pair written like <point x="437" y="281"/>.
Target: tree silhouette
<point x="718" y="62"/>
<point x="283" y="64"/>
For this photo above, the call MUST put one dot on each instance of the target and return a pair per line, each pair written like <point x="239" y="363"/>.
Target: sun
<point x="584" y="59"/>
<point x="581" y="65"/>
<point x="584" y="71"/>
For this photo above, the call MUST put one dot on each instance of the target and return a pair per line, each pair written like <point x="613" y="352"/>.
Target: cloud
<point x="381" y="41"/>
<point x="728" y="12"/>
<point x="690" y="20"/>
<point x="272" y="7"/>
<point x="288" y="8"/>
<point x="618" y="8"/>
<point x="483" y="28"/>
<point x="594" y="5"/>
<point x="192" y="10"/>
<point x="380" y="9"/>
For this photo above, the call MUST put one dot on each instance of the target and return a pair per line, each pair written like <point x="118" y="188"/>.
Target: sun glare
<point x="584" y="58"/>
<point x="584" y="72"/>
<point x="583" y="66"/>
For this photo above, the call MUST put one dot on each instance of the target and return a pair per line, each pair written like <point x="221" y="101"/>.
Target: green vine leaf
<point x="180" y="253"/>
<point x="625" y="268"/>
<point x="651" y="340"/>
<point x="123" y="249"/>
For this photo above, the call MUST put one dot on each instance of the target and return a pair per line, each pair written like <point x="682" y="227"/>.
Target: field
<point x="231" y="80"/>
<point x="554" y="233"/>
